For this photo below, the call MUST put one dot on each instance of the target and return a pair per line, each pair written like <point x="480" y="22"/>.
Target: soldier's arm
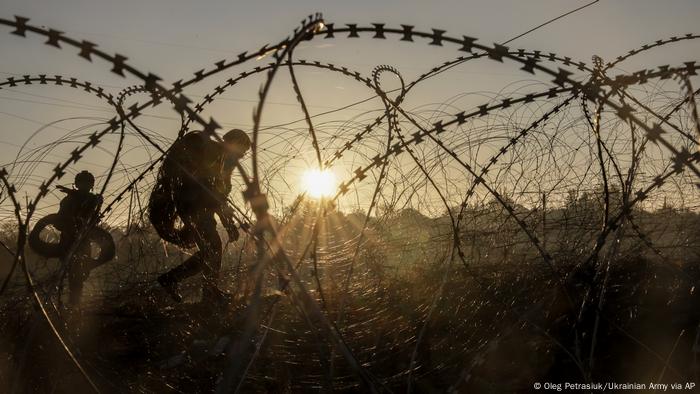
<point x="98" y="202"/>
<point x="227" y="220"/>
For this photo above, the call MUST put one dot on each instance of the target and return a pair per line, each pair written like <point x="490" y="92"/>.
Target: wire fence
<point x="547" y="233"/>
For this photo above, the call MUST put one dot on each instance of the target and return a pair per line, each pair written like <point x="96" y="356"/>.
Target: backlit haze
<point x="174" y="39"/>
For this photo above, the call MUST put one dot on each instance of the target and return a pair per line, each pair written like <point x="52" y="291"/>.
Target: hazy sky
<point x="145" y="29"/>
<point x="175" y="38"/>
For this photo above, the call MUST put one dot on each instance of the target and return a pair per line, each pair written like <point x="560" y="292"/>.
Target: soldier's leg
<point x="189" y="267"/>
<point x="79" y="267"/>
<point x="209" y="244"/>
<point x="207" y="259"/>
<point x="76" y="279"/>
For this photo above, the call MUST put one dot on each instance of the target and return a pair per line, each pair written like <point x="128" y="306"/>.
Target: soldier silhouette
<point x="77" y="209"/>
<point x="194" y="182"/>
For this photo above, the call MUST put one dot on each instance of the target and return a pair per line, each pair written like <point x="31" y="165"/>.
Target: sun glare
<point x="319" y="183"/>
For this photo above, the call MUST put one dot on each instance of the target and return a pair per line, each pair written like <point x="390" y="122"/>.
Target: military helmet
<point x="238" y="138"/>
<point x="84" y="180"/>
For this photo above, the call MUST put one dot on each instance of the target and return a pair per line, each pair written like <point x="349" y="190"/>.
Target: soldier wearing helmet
<point x="198" y="171"/>
<point x="77" y="209"/>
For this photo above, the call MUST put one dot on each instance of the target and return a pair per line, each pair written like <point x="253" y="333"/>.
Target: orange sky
<point x="176" y="38"/>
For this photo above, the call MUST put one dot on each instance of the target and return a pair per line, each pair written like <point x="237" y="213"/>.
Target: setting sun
<point x="319" y="183"/>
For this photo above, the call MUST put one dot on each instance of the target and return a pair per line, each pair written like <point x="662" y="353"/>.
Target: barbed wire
<point x="490" y="170"/>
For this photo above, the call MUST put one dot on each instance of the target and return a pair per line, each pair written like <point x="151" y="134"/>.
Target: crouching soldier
<point x="194" y="182"/>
